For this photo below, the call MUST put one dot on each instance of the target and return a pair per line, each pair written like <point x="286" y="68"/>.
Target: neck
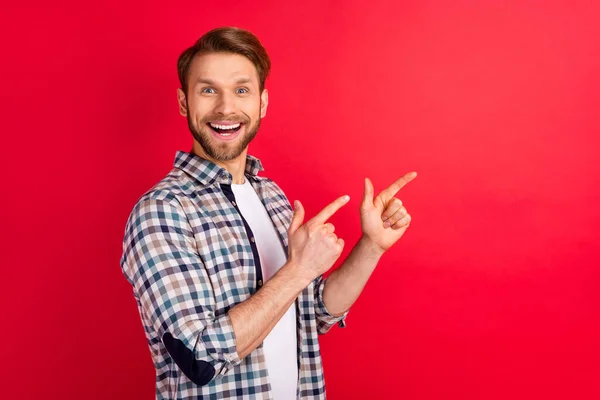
<point x="236" y="167"/>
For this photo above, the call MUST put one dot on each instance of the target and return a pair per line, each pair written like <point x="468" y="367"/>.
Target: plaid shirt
<point x="190" y="256"/>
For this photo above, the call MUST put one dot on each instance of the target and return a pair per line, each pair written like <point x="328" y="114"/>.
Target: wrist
<point x="301" y="277"/>
<point x="370" y="248"/>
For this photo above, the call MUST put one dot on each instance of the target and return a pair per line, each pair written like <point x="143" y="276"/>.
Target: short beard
<point x="203" y="137"/>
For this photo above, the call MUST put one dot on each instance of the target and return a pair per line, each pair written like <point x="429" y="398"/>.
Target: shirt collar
<point x="207" y="172"/>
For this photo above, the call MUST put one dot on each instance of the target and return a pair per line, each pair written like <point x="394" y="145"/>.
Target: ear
<point x="264" y="102"/>
<point x="182" y="103"/>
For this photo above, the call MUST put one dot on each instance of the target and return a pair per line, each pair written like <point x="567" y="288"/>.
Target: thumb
<point x="368" y="196"/>
<point x="298" y="217"/>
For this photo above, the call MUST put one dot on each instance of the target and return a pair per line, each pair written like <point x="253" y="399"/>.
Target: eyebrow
<point x="207" y="81"/>
<point x="238" y="81"/>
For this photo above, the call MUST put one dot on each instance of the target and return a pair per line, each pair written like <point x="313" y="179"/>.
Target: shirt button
<point x="233" y="202"/>
<point x="252" y="239"/>
<point x="259" y="282"/>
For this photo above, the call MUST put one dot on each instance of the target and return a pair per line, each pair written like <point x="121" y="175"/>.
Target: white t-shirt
<point x="280" y="346"/>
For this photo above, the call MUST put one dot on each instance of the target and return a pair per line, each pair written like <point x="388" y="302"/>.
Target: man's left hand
<point x="384" y="219"/>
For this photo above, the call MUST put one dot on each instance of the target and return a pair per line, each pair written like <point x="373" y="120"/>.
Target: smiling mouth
<point x="225" y="129"/>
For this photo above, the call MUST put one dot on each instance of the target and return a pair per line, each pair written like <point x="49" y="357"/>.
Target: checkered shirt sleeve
<point x="325" y="321"/>
<point x="171" y="285"/>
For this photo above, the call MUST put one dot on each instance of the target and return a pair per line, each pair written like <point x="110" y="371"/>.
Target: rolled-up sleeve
<point x="325" y="321"/>
<point x="169" y="280"/>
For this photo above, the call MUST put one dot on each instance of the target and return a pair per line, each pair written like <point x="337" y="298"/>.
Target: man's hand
<point x="384" y="219"/>
<point x="314" y="247"/>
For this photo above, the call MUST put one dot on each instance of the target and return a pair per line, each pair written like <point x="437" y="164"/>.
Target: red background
<point x="491" y="294"/>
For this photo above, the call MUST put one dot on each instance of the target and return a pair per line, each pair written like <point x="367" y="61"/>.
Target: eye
<point x="242" y="91"/>
<point x="208" y="90"/>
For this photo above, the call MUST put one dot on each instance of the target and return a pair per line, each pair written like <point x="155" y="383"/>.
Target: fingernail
<point x="346" y="198"/>
<point x="387" y="224"/>
<point x="384" y="219"/>
<point x="296" y="203"/>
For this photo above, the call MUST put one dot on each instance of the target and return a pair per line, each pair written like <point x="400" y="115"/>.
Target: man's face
<point x="223" y="105"/>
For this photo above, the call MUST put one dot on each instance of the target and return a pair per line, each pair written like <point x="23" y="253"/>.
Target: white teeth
<point x="225" y="126"/>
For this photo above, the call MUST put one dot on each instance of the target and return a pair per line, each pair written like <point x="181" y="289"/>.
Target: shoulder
<point x="174" y="186"/>
<point x="163" y="200"/>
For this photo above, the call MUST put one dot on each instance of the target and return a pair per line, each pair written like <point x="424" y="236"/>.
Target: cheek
<point x="249" y="112"/>
<point x="255" y="111"/>
<point x="198" y="112"/>
<point x="200" y="104"/>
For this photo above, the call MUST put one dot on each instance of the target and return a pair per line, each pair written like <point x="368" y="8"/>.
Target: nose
<point x="226" y="104"/>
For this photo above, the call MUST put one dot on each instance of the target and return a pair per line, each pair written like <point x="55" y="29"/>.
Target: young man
<point x="227" y="278"/>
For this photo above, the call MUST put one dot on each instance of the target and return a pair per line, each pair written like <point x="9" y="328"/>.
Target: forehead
<point x="222" y="68"/>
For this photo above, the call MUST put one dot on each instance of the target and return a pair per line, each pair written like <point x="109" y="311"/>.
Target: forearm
<point x="345" y="284"/>
<point x="254" y="318"/>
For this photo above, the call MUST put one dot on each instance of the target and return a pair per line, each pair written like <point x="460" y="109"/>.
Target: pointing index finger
<point x="399" y="184"/>
<point x="330" y="209"/>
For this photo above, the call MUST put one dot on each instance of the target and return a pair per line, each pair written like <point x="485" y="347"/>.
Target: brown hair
<point x="227" y="39"/>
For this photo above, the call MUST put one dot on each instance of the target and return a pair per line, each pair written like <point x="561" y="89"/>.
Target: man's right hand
<point x="313" y="246"/>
